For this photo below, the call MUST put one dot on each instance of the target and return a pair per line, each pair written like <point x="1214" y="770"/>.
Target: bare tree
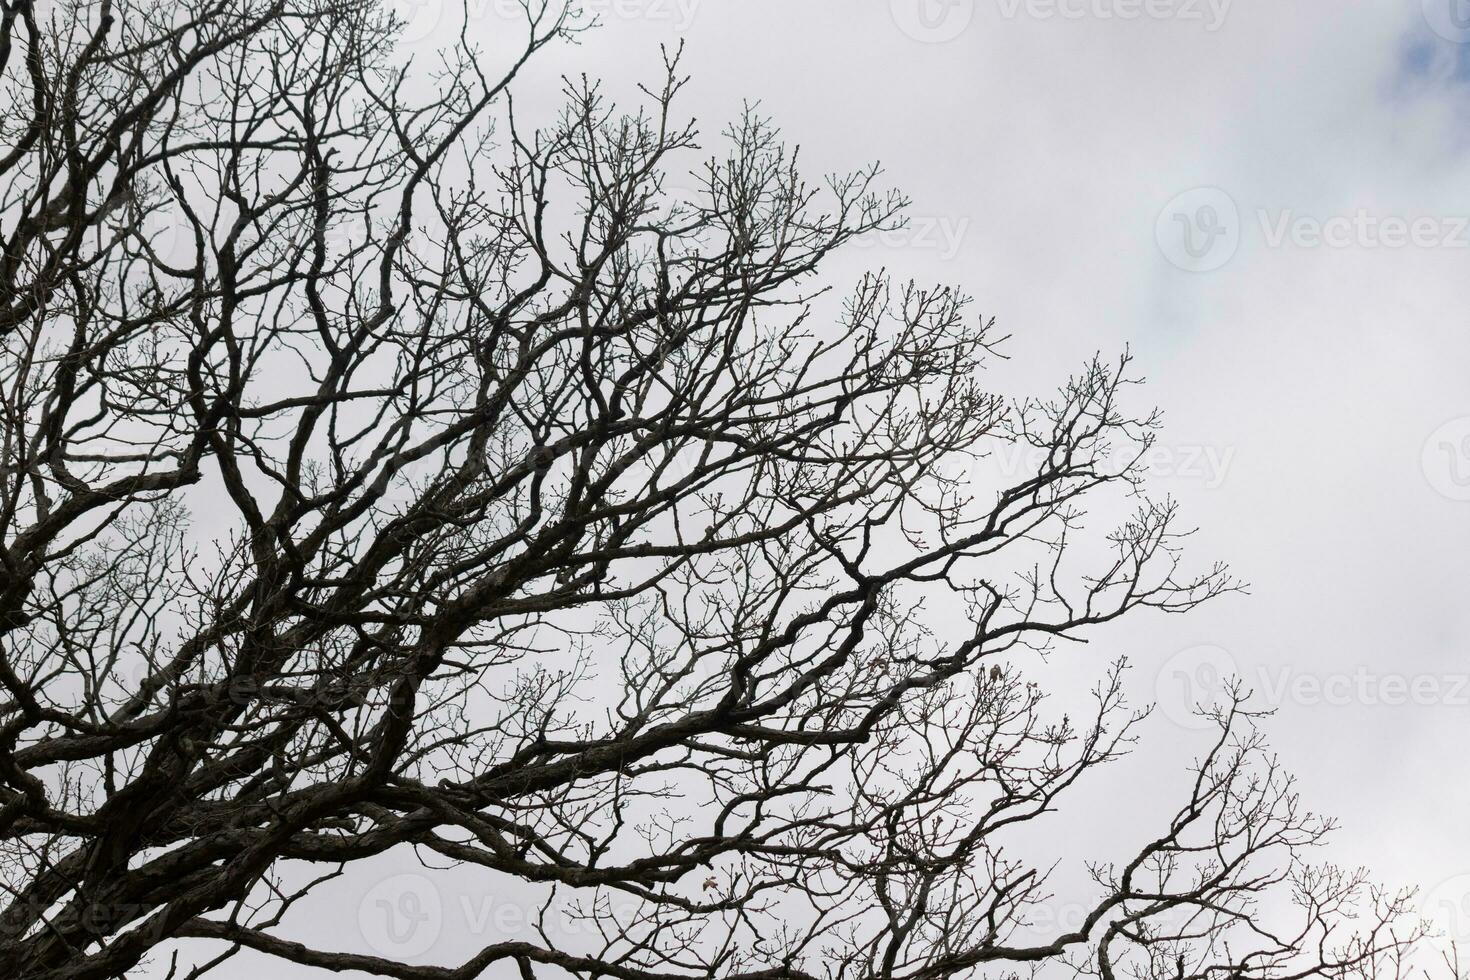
<point x="380" y="474"/>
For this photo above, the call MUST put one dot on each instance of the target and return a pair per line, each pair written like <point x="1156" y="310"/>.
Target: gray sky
<point x="1316" y="380"/>
<point x="1270" y="203"/>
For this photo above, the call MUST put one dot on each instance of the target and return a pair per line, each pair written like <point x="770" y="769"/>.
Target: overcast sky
<point x="1269" y="202"/>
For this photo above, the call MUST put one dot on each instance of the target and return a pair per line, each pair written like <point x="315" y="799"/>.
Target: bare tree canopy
<point x="381" y="473"/>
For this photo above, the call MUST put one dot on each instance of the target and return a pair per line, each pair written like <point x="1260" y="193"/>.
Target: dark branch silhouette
<point x="379" y="473"/>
